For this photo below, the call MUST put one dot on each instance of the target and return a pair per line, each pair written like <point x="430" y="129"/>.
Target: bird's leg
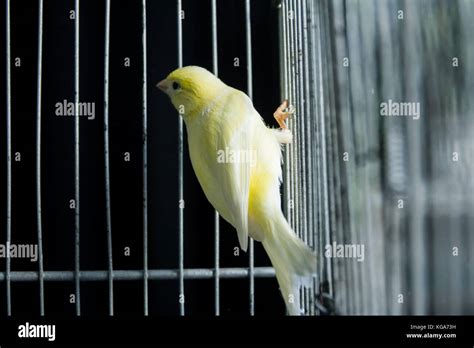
<point x="282" y="113"/>
<point x="283" y="134"/>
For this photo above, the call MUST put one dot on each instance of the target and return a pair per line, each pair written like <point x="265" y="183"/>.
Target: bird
<point x="237" y="160"/>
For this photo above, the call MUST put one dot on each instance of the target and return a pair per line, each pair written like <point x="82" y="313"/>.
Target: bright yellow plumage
<point x="237" y="161"/>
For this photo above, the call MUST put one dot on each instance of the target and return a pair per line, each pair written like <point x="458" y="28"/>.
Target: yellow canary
<point x="237" y="160"/>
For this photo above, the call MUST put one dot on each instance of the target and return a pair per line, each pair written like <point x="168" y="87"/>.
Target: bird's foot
<point x="283" y="112"/>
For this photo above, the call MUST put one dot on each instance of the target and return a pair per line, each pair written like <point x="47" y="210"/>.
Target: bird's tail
<point x="293" y="260"/>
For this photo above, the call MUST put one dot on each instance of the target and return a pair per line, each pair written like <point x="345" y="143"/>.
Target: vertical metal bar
<point x="248" y="31"/>
<point x="296" y="130"/>
<point x="302" y="158"/>
<point x="313" y="146"/>
<point x="216" y="264"/>
<point x="324" y="166"/>
<point x="289" y="85"/>
<point x="216" y="214"/>
<point x="319" y="235"/>
<point x="308" y="141"/>
<point x="214" y="38"/>
<point x="9" y="160"/>
<point x="306" y="144"/>
<point x="145" y="164"/>
<point x="291" y="121"/>
<point x="307" y="121"/>
<point x="295" y="120"/>
<point x="77" y="280"/>
<point x="302" y="144"/>
<point x="106" y="159"/>
<point x="284" y="92"/>
<point x="38" y="157"/>
<point x="180" y="172"/>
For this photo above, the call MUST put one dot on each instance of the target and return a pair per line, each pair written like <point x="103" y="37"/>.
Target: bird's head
<point x="191" y="89"/>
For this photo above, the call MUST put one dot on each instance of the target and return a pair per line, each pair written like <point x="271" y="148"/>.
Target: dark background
<point x="125" y="119"/>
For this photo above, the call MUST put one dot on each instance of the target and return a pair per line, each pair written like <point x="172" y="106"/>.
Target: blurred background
<point x="399" y="186"/>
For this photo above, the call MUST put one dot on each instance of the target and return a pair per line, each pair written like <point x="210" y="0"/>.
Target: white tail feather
<point x="284" y="136"/>
<point x="293" y="260"/>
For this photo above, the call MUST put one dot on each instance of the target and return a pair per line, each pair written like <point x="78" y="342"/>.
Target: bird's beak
<point x="163" y="85"/>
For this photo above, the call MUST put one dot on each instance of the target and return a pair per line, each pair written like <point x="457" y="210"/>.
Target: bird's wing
<point x="235" y="132"/>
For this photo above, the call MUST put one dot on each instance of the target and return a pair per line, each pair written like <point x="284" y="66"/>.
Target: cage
<point x="111" y="202"/>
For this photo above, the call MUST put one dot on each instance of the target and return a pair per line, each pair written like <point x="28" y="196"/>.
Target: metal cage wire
<point x="325" y="198"/>
<point x="110" y="275"/>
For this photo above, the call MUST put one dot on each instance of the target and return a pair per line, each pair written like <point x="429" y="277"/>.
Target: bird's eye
<point x="176" y="85"/>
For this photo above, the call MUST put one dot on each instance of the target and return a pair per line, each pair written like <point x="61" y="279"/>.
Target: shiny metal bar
<point x="9" y="158"/>
<point x="248" y="32"/>
<point x="76" y="165"/>
<point x="106" y="160"/>
<point x="135" y="275"/>
<point x="301" y="146"/>
<point x="324" y="161"/>
<point x="285" y="90"/>
<point x="39" y="222"/>
<point x="309" y="190"/>
<point x="284" y="96"/>
<point x="291" y="121"/>
<point x="296" y="130"/>
<point x="317" y="204"/>
<point x="216" y="214"/>
<point x="180" y="172"/>
<point x="145" y="163"/>
<point x="313" y="146"/>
